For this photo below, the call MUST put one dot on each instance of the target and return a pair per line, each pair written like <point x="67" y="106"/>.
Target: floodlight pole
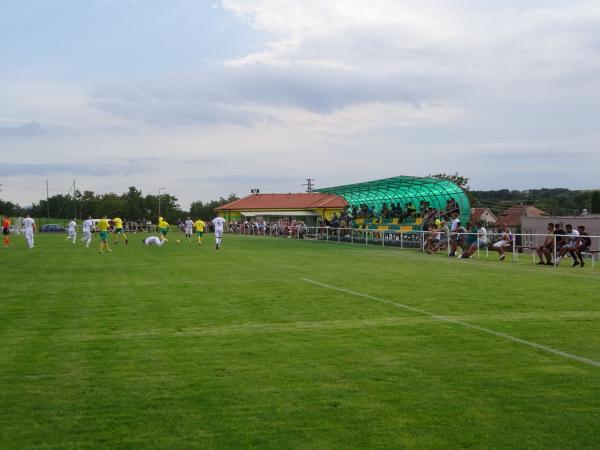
<point x="161" y="189"/>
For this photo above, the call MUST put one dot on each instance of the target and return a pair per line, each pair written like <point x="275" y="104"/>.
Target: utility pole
<point x="310" y="184"/>
<point x="74" y="202"/>
<point x="47" y="200"/>
<point x="161" y="189"/>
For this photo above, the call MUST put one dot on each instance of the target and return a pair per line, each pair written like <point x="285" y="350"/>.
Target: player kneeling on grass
<point x="154" y="240"/>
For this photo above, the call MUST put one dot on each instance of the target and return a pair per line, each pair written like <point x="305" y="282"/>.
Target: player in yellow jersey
<point x="163" y="227"/>
<point x="119" y="230"/>
<point x="103" y="232"/>
<point x="199" y="225"/>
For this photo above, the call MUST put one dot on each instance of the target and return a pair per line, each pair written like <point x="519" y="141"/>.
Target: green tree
<point x="595" y="202"/>
<point x="460" y="180"/>
<point x="10" y="209"/>
<point x="133" y="204"/>
<point x="88" y="204"/>
<point x="207" y="210"/>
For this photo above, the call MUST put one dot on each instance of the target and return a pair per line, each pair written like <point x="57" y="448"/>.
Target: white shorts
<point x="500" y="244"/>
<point x="188" y="231"/>
<point x="218" y="233"/>
<point x="28" y="234"/>
<point x="87" y="234"/>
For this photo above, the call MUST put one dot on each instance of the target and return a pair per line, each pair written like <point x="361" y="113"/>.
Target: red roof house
<point x="514" y="215"/>
<point x="290" y="205"/>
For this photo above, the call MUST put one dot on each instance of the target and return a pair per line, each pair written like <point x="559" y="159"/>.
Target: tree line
<point x="131" y="205"/>
<point x="134" y="205"/>
<point x="554" y="202"/>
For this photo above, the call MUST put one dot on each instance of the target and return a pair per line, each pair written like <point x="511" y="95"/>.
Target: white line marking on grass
<point x="508" y="337"/>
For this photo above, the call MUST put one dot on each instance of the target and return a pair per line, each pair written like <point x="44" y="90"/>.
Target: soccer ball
<point x="178" y="241"/>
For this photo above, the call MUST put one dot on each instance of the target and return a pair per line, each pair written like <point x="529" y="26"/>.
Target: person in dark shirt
<point x="409" y="210"/>
<point x="585" y="242"/>
<point x="561" y="237"/>
<point x="470" y="241"/>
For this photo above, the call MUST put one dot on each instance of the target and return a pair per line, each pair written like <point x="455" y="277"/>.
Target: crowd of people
<point x="284" y="227"/>
<point x="396" y="211"/>
<point x="557" y="245"/>
<point x="561" y="243"/>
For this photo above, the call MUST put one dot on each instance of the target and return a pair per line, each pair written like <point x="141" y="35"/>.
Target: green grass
<point x="188" y="347"/>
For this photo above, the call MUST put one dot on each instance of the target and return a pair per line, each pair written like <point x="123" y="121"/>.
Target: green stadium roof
<point x="404" y="189"/>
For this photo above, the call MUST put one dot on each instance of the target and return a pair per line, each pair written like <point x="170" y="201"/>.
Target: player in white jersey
<point x="87" y="226"/>
<point x="72" y="231"/>
<point x="189" y="226"/>
<point x="154" y="240"/>
<point x="29" y="227"/>
<point x="219" y="224"/>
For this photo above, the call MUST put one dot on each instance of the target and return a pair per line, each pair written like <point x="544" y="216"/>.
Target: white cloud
<point x="341" y="91"/>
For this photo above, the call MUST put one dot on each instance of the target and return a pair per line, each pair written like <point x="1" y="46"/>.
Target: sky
<point x="210" y="97"/>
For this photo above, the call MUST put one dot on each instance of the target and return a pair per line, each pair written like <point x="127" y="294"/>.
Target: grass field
<point x="272" y="343"/>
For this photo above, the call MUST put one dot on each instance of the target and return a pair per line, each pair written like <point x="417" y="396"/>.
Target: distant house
<point x="306" y="206"/>
<point x="484" y="215"/>
<point x="514" y="215"/>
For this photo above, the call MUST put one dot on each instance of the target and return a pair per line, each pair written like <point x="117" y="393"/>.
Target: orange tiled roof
<point x="513" y="215"/>
<point x="285" y="201"/>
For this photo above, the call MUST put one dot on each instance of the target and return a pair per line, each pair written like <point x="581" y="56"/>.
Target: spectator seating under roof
<point x="404" y="189"/>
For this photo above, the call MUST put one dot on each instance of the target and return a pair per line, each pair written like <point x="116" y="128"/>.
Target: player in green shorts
<point x="163" y="227"/>
<point x="199" y="225"/>
<point x="103" y="232"/>
<point x="119" y="230"/>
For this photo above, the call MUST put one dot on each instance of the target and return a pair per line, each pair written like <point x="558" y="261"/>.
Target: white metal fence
<point x="524" y="244"/>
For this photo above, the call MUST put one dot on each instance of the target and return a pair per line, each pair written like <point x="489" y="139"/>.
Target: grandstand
<point x="424" y="194"/>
